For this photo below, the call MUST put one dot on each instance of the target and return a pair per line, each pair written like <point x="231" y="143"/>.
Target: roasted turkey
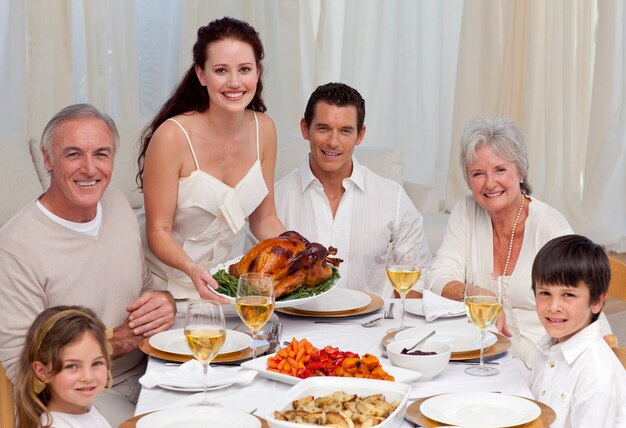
<point x="291" y="260"/>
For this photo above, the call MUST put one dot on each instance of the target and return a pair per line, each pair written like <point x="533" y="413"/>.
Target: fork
<point x="388" y="315"/>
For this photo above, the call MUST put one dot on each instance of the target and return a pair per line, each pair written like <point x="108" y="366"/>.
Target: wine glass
<point x="403" y="271"/>
<point x="255" y="302"/>
<point x="483" y="303"/>
<point x="205" y="332"/>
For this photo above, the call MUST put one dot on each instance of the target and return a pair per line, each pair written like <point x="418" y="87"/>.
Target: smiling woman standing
<point x="206" y="162"/>
<point x="499" y="228"/>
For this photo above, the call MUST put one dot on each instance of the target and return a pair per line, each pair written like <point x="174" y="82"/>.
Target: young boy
<point x="575" y="372"/>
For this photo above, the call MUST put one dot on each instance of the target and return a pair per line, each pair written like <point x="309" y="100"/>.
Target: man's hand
<point x="123" y="340"/>
<point x="152" y="312"/>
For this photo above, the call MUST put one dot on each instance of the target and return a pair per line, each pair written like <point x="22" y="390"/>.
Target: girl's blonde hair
<point x="51" y="331"/>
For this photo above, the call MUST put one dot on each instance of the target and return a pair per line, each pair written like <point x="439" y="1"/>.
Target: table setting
<point x="259" y="362"/>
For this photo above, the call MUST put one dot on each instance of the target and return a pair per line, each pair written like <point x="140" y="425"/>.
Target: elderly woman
<point x="498" y="229"/>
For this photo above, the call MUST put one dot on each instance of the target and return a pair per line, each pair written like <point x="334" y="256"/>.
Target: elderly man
<point x="334" y="200"/>
<point x="79" y="244"/>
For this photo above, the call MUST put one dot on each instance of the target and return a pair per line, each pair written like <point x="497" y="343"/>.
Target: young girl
<point x="63" y="367"/>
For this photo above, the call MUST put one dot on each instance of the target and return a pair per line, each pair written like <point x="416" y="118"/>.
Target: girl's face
<point x="230" y="74"/>
<point x="82" y="377"/>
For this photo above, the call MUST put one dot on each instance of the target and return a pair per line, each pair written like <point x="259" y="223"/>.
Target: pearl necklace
<point x="508" y="254"/>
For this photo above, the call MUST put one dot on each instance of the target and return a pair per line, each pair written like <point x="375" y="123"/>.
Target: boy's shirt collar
<point x="575" y="345"/>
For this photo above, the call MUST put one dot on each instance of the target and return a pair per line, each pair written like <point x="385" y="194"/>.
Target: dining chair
<point x="7" y="409"/>
<point x="611" y="339"/>
<point x="617" y="286"/>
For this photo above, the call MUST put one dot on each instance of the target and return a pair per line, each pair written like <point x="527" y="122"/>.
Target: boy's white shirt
<point x="581" y="379"/>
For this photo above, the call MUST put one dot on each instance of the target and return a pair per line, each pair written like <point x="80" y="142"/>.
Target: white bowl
<point x="429" y="365"/>
<point x="321" y="386"/>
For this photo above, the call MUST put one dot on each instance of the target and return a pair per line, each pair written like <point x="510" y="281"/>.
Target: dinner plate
<point x="199" y="417"/>
<point x="416" y="307"/>
<point x="414" y="415"/>
<point x="193" y="388"/>
<point x="484" y="410"/>
<point x="375" y="304"/>
<point x="174" y="342"/>
<point x="260" y="365"/>
<point x="278" y="303"/>
<point x="339" y="300"/>
<point x="233" y="357"/>
<point x="461" y="337"/>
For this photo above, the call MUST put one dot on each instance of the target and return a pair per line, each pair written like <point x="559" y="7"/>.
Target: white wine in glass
<point x="205" y="332"/>
<point x="255" y="302"/>
<point x="403" y="271"/>
<point x="483" y="304"/>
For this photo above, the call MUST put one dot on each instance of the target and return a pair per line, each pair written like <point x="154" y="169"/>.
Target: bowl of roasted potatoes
<point x="340" y="402"/>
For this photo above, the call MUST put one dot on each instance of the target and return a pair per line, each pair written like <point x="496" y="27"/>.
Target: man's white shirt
<point x="373" y="213"/>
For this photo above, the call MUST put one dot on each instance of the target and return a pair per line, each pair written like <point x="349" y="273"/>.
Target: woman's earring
<point x="38" y="385"/>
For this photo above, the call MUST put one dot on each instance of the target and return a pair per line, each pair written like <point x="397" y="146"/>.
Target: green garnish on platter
<point x="228" y="286"/>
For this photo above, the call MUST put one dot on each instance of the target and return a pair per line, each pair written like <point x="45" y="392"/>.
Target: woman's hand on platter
<point x="203" y="280"/>
<point x="501" y="325"/>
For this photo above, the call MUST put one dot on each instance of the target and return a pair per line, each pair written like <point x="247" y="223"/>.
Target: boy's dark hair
<point x="336" y="94"/>
<point x="569" y="260"/>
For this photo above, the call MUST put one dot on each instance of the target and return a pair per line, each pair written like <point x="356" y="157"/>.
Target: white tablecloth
<point x="262" y="393"/>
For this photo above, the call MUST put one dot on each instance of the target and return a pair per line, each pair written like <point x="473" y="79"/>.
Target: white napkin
<point x="436" y="306"/>
<point x="189" y="375"/>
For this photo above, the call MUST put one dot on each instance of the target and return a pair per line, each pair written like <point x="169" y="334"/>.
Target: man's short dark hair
<point x="336" y="94"/>
<point x="569" y="260"/>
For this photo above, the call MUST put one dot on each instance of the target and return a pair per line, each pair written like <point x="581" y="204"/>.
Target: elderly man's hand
<point x="151" y="313"/>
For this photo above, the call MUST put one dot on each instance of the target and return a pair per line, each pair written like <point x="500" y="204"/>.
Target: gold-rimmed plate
<point x="132" y="422"/>
<point x="232" y="357"/>
<point x="502" y="345"/>
<point x="375" y="304"/>
<point x="413" y="414"/>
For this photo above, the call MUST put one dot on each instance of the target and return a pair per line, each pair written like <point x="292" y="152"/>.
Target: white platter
<point x="322" y="386"/>
<point x="462" y="338"/>
<point x="484" y="410"/>
<point x="199" y="417"/>
<point x="416" y="307"/>
<point x="278" y="304"/>
<point x="340" y="299"/>
<point x="260" y="365"/>
<point x="174" y="342"/>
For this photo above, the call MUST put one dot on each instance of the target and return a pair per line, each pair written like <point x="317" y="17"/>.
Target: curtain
<point x="424" y="68"/>
<point x="401" y="56"/>
<point x="605" y="179"/>
<point x="12" y="67"/>
<point x="531" y="61"/>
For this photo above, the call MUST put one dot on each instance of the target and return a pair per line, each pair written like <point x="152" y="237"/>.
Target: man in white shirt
<point x="333" y="200"/>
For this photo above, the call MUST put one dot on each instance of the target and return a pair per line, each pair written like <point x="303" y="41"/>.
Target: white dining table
<point x="262" y="393"/>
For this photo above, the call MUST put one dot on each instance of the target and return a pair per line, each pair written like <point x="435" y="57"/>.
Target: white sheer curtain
<point x="533" y="62"/>
<point x="12" y="67"/>
<point x="605" y="178"/>
<point x="401" y="56"/>
<point x="424" y="67"/>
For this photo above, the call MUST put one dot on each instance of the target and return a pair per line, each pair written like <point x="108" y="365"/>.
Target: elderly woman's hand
<point x="501" y="325"/>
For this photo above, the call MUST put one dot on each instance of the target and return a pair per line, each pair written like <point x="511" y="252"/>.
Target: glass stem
<point x="205" y="399"/>
<point x="481" y="366"/>
<point x="402" y="299"/>
<point x="254" y="344"/>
